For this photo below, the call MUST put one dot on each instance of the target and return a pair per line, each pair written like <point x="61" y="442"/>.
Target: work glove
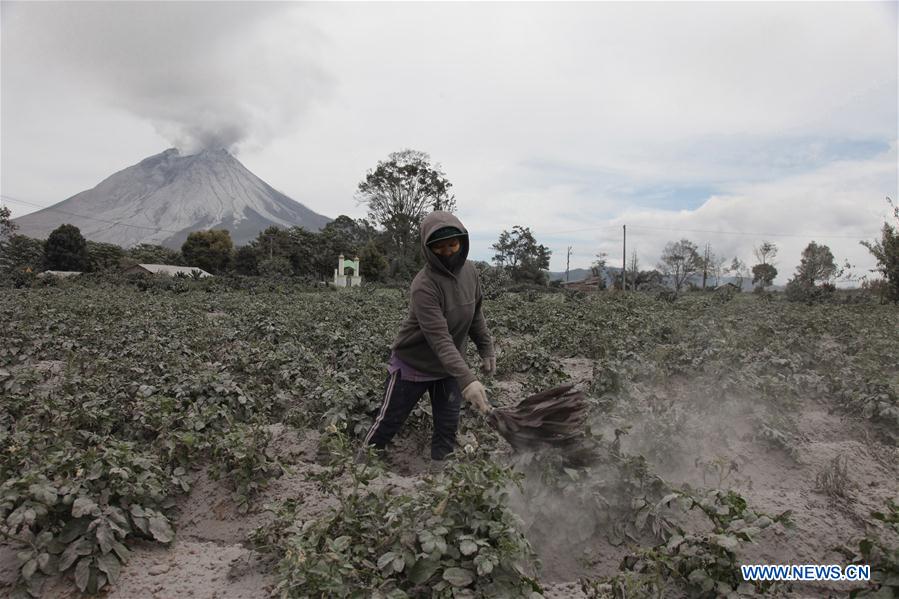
<point x="475" y="394"/>
<point x="488" y="364"/>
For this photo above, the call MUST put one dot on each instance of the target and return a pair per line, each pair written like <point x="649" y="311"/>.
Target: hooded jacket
<point x="444" y="310"/>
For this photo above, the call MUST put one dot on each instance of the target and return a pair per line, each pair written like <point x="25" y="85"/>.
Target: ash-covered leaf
<point x="458" y="577"/>
<point x="83" y="506"/>
<point x="161" y="529"/>
<point x="110" y="564"/>
<point x="423" y="570"/>
<point x="82" y="573"/>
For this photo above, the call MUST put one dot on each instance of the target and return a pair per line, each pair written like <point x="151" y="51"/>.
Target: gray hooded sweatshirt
<point x="444" y="310"/>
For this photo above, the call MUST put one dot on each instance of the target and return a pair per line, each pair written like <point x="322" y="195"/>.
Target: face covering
<point x="452" y="263"/>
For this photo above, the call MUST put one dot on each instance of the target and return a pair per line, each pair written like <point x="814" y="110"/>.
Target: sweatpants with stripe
<point x="400" y="398"/>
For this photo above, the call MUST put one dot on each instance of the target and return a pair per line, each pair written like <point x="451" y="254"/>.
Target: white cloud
<point x="838" y="204"/>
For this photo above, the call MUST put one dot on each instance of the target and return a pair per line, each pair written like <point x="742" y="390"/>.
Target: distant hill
<point x="164" y="197"/>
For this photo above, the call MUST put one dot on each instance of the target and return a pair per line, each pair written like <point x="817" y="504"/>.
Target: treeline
<point x="684" y="266"/>
<point x="275" y="251"/>
<point x="398" y="193"/>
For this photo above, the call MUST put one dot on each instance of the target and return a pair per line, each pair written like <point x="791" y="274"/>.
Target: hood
<point x="437" y="220"/>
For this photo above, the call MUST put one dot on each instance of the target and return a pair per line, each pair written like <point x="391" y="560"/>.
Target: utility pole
<point x="567" y="263"/>
<point x="624" y="258"/>
<point x="705" y="265"/>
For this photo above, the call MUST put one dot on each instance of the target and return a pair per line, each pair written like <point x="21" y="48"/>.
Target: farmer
<point x="444" y="310"/>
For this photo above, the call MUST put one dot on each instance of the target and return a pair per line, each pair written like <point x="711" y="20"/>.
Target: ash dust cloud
<point x="687" y="434"/>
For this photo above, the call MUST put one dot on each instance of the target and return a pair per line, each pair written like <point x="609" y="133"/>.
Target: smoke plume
<point x="205" y="75"/>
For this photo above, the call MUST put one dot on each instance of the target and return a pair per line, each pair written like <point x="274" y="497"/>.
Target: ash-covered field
<point x="190" y="439"/>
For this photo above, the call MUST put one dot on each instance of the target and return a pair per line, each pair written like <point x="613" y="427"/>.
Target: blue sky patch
<point x="727" y="160"/>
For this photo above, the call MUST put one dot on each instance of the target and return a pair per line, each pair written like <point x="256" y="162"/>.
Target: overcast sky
<point x="727" y="123"/>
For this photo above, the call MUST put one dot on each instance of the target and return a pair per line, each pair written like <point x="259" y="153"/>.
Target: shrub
<point x="799" y="290"/>
<point x="667" y="295"/>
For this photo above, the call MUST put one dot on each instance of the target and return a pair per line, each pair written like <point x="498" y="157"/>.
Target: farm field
<point x="188" y="439"/>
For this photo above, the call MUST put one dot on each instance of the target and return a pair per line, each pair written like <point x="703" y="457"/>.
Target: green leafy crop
<point x="453" y="536"/>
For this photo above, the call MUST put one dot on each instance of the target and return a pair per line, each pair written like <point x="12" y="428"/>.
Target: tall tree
<point x="737" y="269"/>
<point x="519" y="253"/>
<point x="505" y="256"/>
<point x="816" y="266"/>
<point x="712" y="265"/>
<point x="210" y="250"/>
<point x="373" y="263"/>
<point x="764" y="272"/>
<point x="766" y="252"/>
<point x="886" y="251"/>
<point x="399" y="192"/>
<point x="66" y="249"/>
<point x="680" y="260"/>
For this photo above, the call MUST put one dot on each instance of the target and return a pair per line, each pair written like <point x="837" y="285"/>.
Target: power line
<point x="100" y="220"/>
<point x="579" y="230"/>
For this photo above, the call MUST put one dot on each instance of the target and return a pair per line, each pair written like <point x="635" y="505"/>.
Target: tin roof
<point x="170" y="269"/>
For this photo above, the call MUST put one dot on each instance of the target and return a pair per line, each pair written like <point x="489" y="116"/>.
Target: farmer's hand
<point x="488" y="364"/>
<point x="475" y="394"/>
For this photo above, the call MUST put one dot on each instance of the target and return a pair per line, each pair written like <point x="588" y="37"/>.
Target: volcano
<point x="163" y="198"/>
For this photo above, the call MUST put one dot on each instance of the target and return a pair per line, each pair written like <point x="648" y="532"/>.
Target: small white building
<point x="58" y="273"/>
<point x="165" y="269"/>
<point x="347" y="273"/>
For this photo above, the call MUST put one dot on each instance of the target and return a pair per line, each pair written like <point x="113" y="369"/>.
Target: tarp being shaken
<point x="551" y="418"/>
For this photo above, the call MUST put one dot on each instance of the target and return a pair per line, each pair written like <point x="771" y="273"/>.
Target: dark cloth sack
<point x="551" y="418"/>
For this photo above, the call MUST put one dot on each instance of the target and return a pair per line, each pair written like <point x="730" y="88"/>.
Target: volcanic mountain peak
<point x="164" y="197"/>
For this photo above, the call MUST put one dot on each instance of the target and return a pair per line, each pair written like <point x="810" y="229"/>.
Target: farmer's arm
<point x="433" y="326"/>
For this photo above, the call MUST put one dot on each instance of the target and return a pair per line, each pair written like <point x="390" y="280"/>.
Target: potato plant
<point x="454" y="536"/>
<point x="700" y="564"/>
<point x="881" y="553"/>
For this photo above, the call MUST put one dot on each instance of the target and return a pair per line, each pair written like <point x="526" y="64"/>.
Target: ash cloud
<point x="205" y="75"/>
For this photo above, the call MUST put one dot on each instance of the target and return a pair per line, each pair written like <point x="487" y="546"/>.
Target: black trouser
<point x="400" y="398"/>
